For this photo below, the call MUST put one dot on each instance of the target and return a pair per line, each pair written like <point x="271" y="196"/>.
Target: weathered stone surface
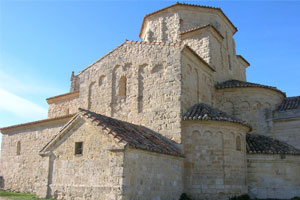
<point x="186" y="51"/>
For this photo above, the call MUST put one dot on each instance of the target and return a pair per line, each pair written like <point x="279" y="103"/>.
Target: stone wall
<point x="197" y="83"/>
<point x="152" y="176"/>
<point x="20" y="166"/>
<point x="273" y="176"/>
<point x="167" y="26"/>
<point x="215" y="163"/>
<point x="96" y="174"/>
<point x="139" y="83"/>
<point x="63" y="107"/>
<point x="286" y="126"/>
<point x="253" y="105"/>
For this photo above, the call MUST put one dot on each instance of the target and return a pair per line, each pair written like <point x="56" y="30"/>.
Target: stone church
<point x="152" y="119"/>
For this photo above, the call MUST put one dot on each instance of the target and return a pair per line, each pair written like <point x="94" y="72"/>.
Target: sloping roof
<point x="259" y="144"/>
<point x="39" y="122"/>
<point x="187" y="5"/>
<point x="135" y="136"/>
<point x="202" y="27"/>
<point x="290" y="103"/>
<point x="240" y="84"/>
<point x="203" y="111"/>
<point x="62" y="97"/>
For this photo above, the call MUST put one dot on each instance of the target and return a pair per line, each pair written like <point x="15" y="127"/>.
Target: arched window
<point x="18" y="148"/>
<point x="238" y="143"/>
<point x="122" y="86"/>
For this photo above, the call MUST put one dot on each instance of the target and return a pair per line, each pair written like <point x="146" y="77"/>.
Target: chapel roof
<point x="135" y="136"/>
<point x="290" y="103"/>
<point x="188" y="5"/>
<point x="201" y="111"/>
<point x="259" y="144"/>
<point x="239" y="84"/>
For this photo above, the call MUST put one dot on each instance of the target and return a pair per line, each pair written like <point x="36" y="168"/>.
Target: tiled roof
<point x="188" y="5"/>
<point x="135" y="136"/>
<point x="203" y="111"/>
<point x="259" y="144"/>
<point x="290" y="103"/>
<point x="239" y="84"/>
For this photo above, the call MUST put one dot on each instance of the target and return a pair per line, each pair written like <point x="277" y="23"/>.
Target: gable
<point x="79" y="130"/>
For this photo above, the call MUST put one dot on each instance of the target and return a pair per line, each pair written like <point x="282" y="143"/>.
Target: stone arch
<point x="256" y="105"/>
<point x="18" y="148"/>
<point x="244" y="106"/>
<point x="228" y="107"/>
<point x="267" y="105"/>
<point x="101" y="80"/>
<point x="238" y="143"/>
<point x="141" y="77"/>
<point x="90" y="93"/>
<point x="123" y="86"/>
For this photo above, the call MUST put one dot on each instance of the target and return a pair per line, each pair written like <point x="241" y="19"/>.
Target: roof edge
<point x="243" y="59"/>
<point x="62" y="96"/>
<point x="36" y="122"/>
<point x="198" y="57"/>
<point x="210" y="27"/>
<point x="186" y="4"/>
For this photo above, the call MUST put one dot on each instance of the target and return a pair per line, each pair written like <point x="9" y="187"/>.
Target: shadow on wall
<point x="1" y="182"/>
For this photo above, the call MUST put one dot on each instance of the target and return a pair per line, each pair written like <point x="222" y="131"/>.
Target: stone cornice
<point x="69" y="95"/>
<point x="201" y="29"/>
<point x="35" y="123"/>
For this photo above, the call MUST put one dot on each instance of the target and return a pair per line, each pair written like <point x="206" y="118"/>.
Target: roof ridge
<point x="136" y="136"/>
<point x="201" y="111"/>
<point x="232" y="83"/>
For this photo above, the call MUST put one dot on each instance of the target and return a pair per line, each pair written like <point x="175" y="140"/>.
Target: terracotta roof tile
<point x="135" y="136"/>
<point x="259" y="144"/>
<point x="290" y="103"/>
<point x="239" y="84"/>
<point x="203" y="111"/>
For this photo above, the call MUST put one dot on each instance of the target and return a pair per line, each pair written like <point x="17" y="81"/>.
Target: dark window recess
<point x="78" y="148"/>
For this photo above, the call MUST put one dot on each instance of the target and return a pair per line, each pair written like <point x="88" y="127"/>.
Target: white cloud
<point x="25" y="84"/>
<point x="19" y="106"/>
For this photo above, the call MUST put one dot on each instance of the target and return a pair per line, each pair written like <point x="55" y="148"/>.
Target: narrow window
<point x="67" y="111"/>
<point x="122" y="86"/>
<point x="238" y="143"/>
<point x="78" y="148"/>
<point x="18" y="148"/>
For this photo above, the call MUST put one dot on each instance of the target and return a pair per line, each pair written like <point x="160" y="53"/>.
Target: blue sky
<point x="42" y="42"/>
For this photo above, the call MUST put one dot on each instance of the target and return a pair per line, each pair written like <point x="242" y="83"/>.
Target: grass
<point x="18" y="196"/>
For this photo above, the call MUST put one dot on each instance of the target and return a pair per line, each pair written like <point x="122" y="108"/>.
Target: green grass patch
<point x="18" y="196"/>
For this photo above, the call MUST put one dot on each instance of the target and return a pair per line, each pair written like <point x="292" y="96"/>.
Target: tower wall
<point x="215" y="167"/>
